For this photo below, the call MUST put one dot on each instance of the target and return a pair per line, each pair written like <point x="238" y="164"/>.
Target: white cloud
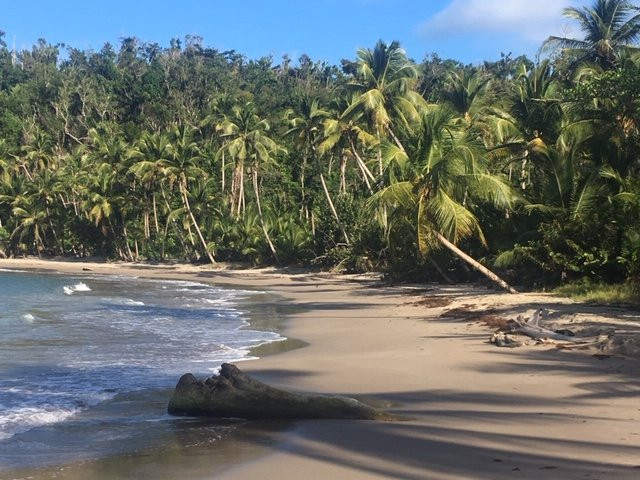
<point x="529" y="20"/>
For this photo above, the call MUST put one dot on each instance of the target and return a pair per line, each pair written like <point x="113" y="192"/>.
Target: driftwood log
<point x="532" y="329"/>
<point x="233" y="394"/>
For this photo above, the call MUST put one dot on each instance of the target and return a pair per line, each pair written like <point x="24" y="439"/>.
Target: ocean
<point x="88" y="362"/>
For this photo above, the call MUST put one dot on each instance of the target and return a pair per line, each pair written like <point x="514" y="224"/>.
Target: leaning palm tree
<point x="610" y="27"/>
<point x="451" y="176"/>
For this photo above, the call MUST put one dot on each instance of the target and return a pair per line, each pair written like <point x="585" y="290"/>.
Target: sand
<point x="474" y="411"/>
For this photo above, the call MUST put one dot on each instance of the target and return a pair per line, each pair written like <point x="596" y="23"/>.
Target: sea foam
<point x="20" y="420"/>
<point x="78" y="287"/>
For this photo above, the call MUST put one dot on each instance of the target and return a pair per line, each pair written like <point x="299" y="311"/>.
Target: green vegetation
<point x="187" y="152"/>
<point x="598" y="292"/>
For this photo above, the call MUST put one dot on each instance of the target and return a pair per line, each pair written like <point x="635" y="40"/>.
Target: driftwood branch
<point x="233" y="394"/>
<point x="531" y="328"/>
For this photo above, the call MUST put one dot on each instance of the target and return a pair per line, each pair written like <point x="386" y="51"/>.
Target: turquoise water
<point x="87" y="362"/>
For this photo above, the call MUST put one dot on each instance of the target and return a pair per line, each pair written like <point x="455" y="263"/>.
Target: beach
<point x="469" y="409"/>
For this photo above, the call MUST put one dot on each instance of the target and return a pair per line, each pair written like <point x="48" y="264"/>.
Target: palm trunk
<point x="366" y="173"/>
<point x="147" y="228"/>
<point x="435" y="264"/>
<point x="343" y="174"/>
<point x="155" y="213"/>
<point x="185" y="199"/>
<point x="395" y="139"/>
<point x="254" y="176"/>
<point x="126" y="242"/>
<point x="380" y="170"/>
<point x="237" y="188"/>
<point x="478" y="266"/>
<point x="222" y="173"/>
<point x="333" y="208"/>
<point x="302" y="191"/>
<point x="53" y="231"/>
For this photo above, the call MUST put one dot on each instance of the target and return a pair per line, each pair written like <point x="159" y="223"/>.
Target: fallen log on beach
<point x="233" y="394"/>
<point x="531" y="328"/>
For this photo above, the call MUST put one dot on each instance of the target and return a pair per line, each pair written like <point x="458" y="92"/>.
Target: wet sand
<point x="474" y="411"/>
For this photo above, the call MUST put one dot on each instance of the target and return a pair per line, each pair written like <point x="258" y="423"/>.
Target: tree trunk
<point x="379" y="152"/>
<point x="155" y="213"/>
<point x="222" y="172"/>
<point x="126" y="242"/>
<point x="254" y="176"/>
<point x="333" y="209"/>
<point x="343" y="176"/>
<point x="366" y="173"/>
<point x="435" y="264"/>
<point x="233" y="394"/>
<point x="395" y="139"/>
<point x="185" y="199"/>
<point x="478" y="266"/>
<point x="147" y="227"/>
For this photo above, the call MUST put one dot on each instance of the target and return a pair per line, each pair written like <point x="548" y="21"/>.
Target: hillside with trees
<point x="431" y="168"/>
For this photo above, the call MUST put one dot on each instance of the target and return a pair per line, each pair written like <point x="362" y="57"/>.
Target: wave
<point x="27" y="317"/>
<point x="22" y="419"/>
<point x="78" y="287"/>
<point x="81" y="287"/>
<point x="136" y="303"/>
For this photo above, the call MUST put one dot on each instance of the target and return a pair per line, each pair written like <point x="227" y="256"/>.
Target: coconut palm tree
<point x="464" y="91"/>
<point x="344" y="134"/>
<point x="385" y="84"/>
<point x="609" y="27"/>
<point x="531" y="117"/>
<point x="181" y="165"/>
<point x="451" y="177"/>
<point x="151" y="150"/>
<point x="308" y="129"/>
<point x="248" y="141"/>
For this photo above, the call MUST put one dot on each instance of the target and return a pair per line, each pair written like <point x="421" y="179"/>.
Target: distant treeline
<point x="148" y="152"/>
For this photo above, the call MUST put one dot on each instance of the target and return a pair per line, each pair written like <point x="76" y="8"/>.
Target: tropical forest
<point x="522" y="169"/>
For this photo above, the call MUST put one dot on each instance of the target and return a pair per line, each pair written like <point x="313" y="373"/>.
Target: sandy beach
<point x="473" y="410"/>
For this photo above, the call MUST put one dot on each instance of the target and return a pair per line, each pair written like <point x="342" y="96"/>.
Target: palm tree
<point x="450" y="178"/>
<point x="151" y="150"/>
<point x="385" y="84"/>
<point x="531" y="118"/>
<point x="609" y="27"/>
<point x="344" y="133"/>
<point x="247" y="141"/>
<point x="308" y="130"/>
<point x="464" y="91"/>
<point x="181" y="165"/>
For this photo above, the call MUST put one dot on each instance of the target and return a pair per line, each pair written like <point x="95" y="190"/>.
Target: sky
<point x="467" y="30"/>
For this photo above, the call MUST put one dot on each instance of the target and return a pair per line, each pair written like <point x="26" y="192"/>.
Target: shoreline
<point x="476" y="411"/>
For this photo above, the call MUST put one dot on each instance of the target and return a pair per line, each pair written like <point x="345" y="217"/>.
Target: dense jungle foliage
<point x="185" y="152"/>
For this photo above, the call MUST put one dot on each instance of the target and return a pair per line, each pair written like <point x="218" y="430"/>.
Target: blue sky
<point x="467" y="30"/>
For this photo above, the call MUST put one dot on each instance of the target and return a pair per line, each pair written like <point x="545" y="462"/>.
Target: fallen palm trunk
<point x="233" y="394"/>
